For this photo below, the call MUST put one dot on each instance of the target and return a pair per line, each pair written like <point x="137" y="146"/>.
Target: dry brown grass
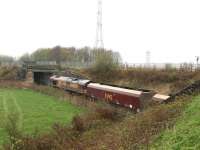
<point x="161" y="80"/>
<point x="97" y="130"/>
<point x="140" y="130"/>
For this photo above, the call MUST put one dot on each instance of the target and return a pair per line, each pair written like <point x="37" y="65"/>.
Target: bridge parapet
<point x="36" y="67"/>
<point x="39" y="73"/>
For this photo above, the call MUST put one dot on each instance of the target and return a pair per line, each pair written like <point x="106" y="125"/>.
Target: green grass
<point x="186" y="132"/>
<point x="35" y="111"/>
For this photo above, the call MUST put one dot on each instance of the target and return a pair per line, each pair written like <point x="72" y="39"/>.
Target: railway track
<point x="189" y="90"/>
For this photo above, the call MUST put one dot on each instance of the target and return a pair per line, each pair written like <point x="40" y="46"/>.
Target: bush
<point x="13" y="131"/>
<point x="108" y="113"/>
<point x="78" y="124"/>
<point x="9" y="73"/>
<point x="139" y="131"/>
<point x="176" y="86"/>
<point x="105" y="65"/>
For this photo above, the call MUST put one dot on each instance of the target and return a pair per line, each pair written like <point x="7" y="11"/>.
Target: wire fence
<point x="84" y="65"/>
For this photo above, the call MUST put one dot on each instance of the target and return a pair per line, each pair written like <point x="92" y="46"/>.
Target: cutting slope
<point x="186" y="133"/>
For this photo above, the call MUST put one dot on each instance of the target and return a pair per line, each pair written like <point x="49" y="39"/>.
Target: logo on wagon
<point x="108" y="97"/>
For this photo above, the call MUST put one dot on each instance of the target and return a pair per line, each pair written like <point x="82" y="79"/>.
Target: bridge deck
<point x="42" y="70"/>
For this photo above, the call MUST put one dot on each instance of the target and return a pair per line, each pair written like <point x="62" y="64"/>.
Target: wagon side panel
<point x="114" y="97"/>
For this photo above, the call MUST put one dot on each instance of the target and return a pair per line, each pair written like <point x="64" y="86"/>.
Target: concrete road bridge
<point x="39" y="73"/>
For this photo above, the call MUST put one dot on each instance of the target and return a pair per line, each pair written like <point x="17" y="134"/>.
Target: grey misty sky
<point x="170" y="29"/>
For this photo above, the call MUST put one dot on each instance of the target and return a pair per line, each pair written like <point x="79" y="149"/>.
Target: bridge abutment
<point x="42" y="77"/>
<point x="29" y="77"/>
<point x="39" y="74"/>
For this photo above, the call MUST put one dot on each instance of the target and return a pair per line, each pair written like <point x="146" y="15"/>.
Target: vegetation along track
<point x="185" y="133"/>
<point x="189" y="90"/>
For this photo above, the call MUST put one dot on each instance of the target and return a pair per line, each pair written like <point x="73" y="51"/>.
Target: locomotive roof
<point x="70" y="79"/>
<point x="115" y="89"/>
<point x="83" y="82"/>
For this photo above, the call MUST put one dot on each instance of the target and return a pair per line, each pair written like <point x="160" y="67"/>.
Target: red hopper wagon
<point x="126" y="97"/>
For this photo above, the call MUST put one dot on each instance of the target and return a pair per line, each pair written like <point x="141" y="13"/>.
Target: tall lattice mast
<point x="99" y="32"/>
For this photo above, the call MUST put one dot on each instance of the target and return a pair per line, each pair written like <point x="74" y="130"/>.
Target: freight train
<point x="136" y="99"/>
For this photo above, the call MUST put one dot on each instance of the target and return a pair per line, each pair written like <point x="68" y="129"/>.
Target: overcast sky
<point x="170" y="29"/>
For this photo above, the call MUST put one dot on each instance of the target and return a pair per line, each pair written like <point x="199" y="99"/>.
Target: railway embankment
<point x="163" y="81"/>
<point x="101" y="129"/>
<point x="106" y="128"/>
<point x="185" y="133"/>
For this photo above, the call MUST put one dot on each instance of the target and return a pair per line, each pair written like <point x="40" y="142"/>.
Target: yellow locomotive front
<point x="70" y="84"/>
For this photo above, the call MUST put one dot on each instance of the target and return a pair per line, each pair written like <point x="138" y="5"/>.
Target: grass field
<point x="35" y="111"/>
<point x="186" y="132"/>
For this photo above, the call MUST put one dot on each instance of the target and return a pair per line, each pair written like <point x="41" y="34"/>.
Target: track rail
<point x="189" y="90"/>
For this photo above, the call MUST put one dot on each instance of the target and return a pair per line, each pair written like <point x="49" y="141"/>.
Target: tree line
<point x="68" y="55"/>
<point x="71" y="55"/>
<point x="6" y="60"/>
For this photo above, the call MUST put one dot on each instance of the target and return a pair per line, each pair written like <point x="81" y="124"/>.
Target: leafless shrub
<point x="78" y="124"/>
<point x="108" y="113"/>
<point x="176" y="86"/>
<point x="140" y="130"/>
<point x="13" y="131"/>
<point x="9" y="72"/>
